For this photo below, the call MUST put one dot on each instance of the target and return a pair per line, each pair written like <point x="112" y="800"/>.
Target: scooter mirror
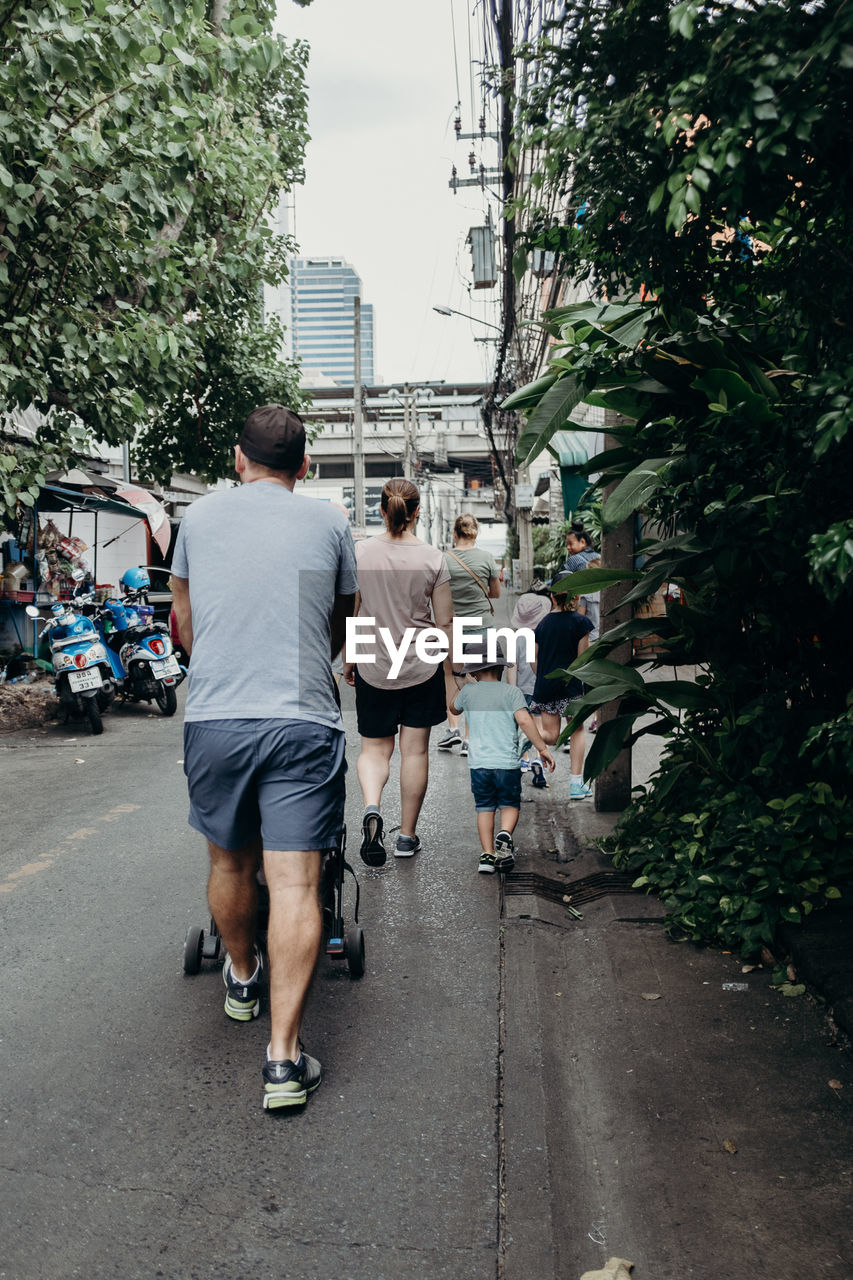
<point x="31" y="611"/>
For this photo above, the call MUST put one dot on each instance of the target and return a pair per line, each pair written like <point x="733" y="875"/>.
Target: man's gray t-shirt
<point x="264" y="565"/>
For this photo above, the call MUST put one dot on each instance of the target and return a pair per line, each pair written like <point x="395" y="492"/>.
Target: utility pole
<point x="409" y="450"/>
<point x="357" y="424"/>
<point x="524" y="524"/>
<point x="613" y="786"/>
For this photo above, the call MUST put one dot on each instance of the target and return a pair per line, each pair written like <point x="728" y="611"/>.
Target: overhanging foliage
<point x="700" y="148"/>
<point x="144" y="145"/>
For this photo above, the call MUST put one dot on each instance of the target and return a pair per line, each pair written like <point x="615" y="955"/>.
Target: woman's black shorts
<point x="380" y="712"/>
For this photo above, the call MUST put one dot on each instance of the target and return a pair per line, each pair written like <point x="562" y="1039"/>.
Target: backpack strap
<point x="477" y="579"/>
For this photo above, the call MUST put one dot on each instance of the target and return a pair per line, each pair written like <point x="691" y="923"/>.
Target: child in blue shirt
<point x="495" y="712"/>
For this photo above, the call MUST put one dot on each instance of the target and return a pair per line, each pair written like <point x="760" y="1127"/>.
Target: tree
<point x="144" y="145"/>
<point x="704" y="154"/>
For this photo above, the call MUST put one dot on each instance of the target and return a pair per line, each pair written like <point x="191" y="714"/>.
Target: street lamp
<point x="451" y="311"/>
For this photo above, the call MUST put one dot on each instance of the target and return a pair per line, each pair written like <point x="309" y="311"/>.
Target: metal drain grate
<point x="577" y="892"/>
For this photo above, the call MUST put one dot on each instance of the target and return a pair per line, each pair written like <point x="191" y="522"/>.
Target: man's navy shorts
<point x="496" y="789"/>
<point x="380" y="712"/>
<point x="284" y="780"/>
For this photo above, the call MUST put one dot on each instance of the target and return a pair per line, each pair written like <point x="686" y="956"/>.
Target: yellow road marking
<point x="45" y="860"/>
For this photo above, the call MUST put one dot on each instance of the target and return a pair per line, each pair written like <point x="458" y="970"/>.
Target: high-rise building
<point x="322" y="322"/>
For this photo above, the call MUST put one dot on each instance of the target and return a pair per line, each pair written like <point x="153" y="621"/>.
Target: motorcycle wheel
<point x="167" y="699"/>
<point x="93" y="715"/>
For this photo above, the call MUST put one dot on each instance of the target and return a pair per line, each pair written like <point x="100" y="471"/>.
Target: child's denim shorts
<point x="496" y="789"/>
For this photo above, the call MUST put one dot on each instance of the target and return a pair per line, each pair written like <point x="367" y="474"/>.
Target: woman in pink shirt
<point x="403" y="584"/>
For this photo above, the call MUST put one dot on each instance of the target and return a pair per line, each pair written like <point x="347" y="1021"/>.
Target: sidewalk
<point x="661" y="1102"/>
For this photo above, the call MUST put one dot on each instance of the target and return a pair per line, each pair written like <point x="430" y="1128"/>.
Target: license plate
<point x="88" y="679"/>
<point x="168" y="667"/>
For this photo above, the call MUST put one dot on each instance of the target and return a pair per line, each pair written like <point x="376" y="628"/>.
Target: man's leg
<point x="293" y="943"/>
<point x="232" y="895"/>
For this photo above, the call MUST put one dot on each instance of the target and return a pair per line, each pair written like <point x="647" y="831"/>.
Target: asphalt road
<point x="134" y="1142"/>
<point x="516" y="1097"/>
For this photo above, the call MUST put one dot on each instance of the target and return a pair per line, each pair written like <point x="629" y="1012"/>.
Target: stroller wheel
<point x="193" y="949"/>
<point x="354" y="948"/>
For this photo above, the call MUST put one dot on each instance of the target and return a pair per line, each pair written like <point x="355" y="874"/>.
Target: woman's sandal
<point x="372" y="848"/>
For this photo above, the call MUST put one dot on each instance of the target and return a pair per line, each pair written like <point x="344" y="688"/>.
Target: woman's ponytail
<point x="399" y="502"/>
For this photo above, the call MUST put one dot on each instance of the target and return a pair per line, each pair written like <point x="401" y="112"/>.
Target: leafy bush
<point x="726" y="371"/>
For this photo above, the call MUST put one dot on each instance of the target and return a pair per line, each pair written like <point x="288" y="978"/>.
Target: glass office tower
<point x="322" y="325"/>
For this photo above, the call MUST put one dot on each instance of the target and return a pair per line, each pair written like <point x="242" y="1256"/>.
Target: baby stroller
<point x="341" y="942"/>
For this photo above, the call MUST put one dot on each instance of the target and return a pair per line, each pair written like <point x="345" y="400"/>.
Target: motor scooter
<point x="140" y="652"/>
<point x="82" y="670"/>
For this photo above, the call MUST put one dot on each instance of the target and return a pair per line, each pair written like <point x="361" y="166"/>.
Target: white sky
<point x="382" y="97"/>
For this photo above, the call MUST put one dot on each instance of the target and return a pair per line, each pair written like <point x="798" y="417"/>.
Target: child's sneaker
<point x="504" y="856"/>
<point x="242" y="999"/>
<point x="487" y="864"/>
<point x="580" y="791"/>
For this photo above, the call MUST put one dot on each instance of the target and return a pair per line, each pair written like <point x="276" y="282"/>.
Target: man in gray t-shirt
<point x="263" y="581"/>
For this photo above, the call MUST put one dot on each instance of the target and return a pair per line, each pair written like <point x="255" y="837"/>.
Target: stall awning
<point x="56" y="497"/>
<point x="85" y="491"/>
<point x="571" y="449"/>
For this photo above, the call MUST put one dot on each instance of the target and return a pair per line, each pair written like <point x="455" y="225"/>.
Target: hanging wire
<point x="455" y="56"/>
<point x="471" y="67"/>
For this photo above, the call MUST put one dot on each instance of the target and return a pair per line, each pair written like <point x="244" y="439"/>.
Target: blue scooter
<point x="82" y="670"/>
<point x="139" y="650"/>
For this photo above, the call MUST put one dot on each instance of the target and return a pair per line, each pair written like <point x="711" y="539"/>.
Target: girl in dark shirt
<point x="560" y="637"/>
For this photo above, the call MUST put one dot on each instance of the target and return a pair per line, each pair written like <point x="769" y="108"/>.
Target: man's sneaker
<point x="487" y="864"/>
<point x="580" y="791"/>
<point x="537" y="774"/>
<point x="504" y="856"/>
<point x="463" y="750"/>
<point x="242" y="999"/>
<point x="525" y="765"/>
<point x="567" y="746"/>
<point x="287" y="1084"/>
<point x="372" y="828"/>
<point x="407" y="846"/>
<point x="451" y="739"/>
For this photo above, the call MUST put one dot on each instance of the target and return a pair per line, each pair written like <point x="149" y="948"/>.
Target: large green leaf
<point x="633" y="492"/>
<point x="528" y="397"/>
<point x="550" y="415"/>
<point x="603" y="671"/>
<point x="585" y="581"/>
<point x="610" y="738"/>
<point x="681" y="694"/>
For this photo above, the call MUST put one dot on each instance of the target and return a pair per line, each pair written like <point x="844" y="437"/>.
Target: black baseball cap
<point x="275" y="437"/>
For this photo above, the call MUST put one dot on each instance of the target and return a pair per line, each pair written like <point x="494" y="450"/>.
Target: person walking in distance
<point x="403" y="584"/>
<point x="560" y="637"/>
<point x="474" y="584"/>
<point x="263" y="581"/>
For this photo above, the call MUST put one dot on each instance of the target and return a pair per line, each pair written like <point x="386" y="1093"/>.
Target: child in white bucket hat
<point x="495" y="712"/>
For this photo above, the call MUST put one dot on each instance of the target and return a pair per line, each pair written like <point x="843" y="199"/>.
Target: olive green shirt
<point x="468" y="599"/>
